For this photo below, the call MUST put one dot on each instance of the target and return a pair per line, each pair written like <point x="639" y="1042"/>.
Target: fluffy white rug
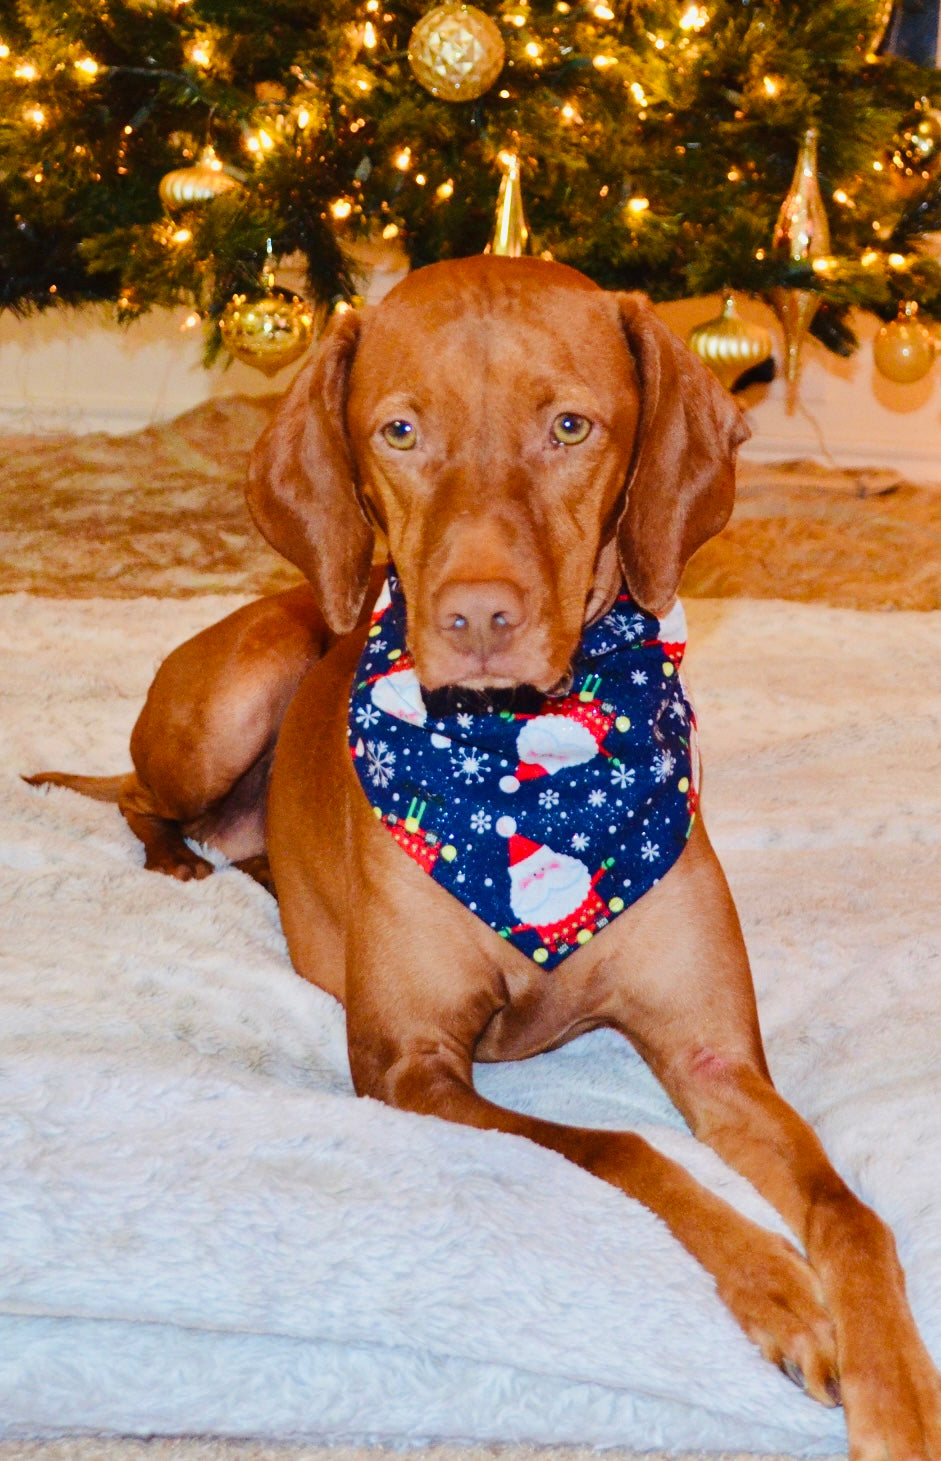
<point x="203" y="1231"/>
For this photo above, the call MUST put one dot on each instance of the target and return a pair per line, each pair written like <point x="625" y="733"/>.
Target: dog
<point x="393" y="751"/>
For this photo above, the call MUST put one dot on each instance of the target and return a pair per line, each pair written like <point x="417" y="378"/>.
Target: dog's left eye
<point x="569" y="429"/>
<point x="400" y="434"/>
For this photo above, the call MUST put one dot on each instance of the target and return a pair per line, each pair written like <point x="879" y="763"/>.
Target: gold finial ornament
<point x="904" y="350"/>
<point x="801" y="234"/>
<point x="456" y="51"/>
<point x="511" y="231"/>
<point x="729" y="345"/>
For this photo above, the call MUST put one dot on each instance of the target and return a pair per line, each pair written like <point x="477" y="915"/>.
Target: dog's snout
<point x="480" y="618"/>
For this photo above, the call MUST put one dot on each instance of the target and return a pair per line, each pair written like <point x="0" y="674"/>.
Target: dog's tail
<point x="102" y="788"/>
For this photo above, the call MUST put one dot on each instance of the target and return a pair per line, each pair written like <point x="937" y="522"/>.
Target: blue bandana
<point x="546" y="821"/>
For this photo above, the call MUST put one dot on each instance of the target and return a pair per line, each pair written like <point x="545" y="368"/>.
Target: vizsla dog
<point x="542" y="457"/>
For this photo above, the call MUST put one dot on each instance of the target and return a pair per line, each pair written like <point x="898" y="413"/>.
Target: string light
<point x="190" y="323"/>
<point x="603" y="12"/>
<point x="403" y="159"/>
<point x="341" y="209"/>
<point x="771" y="84"/>
<point x="88" y="66"/>
<point x="696" y="17"/>
<point x="637" y="206"/>
<point x="181" y="236"/>
<point x="603" y="62"/>
<point x="199" y="53"/>
<point x="391" y="230"/>
<point x="869" y="258"/>
<point x="637" y="92"/>
<point x="370" y="38"/>
<point x="36" y="115"/>
<point x="445" y="190"/>
<point x="4" y="50"/>
<point x="26" y="71"/>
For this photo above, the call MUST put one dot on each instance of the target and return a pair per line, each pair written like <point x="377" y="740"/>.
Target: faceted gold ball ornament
<point x="456" y="52"/>
<point x="904" y="350"/>
<point x="916" y="153"/>
<point x="197" y="184"/>
<point x="730" y="345"/>
<point x="269" y="331"/>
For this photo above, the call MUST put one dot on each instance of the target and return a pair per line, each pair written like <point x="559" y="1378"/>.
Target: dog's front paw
<point x="776" y="1297"/>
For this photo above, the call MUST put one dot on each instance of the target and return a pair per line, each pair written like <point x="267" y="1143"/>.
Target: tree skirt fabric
<point x="203" y="1230"/>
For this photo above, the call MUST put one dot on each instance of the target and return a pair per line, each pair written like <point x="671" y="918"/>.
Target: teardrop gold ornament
<point x="511" y="231"/>
<point x="801" y="234"/>
<point x="729" y="345"/>
<point x="880" y="24"/>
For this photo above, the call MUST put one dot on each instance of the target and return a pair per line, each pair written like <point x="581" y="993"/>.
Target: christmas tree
<point x="154" y="152"/>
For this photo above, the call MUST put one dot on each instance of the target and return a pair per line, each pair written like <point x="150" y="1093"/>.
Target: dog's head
<point x="522" y="438"/>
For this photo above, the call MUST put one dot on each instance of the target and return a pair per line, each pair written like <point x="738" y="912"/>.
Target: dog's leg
<point x="203" y="742"/>
<point x="687" y="1005"/>
<point x="413" y="1029"/>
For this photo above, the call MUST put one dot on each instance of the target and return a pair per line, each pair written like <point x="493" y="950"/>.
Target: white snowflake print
<point x="622" y="775"/>
<point x="380" y="763"/>
<point x="465" y="721"/>
<point x="627" y="626"/>
<point x="548" y="799"/>
<point x="677" y="709"/>
<point x="597" y="798"/>
<point x="481" y="821"/>
<point x="469" y="765"/>
<point x="662" y="765"/>
<point x="366" y="715"/>
<point x="649" y="851"/>
<point x="638" y="677"/>
<point x="579" y="841"/>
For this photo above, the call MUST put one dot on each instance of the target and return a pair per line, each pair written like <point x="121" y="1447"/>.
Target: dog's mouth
<point x="493" y="700"/>
<point x="521" y="699"/>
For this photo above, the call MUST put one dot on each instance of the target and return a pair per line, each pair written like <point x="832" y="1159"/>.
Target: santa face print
<point x="547" y="886"/>
<point x="545" y="825"/>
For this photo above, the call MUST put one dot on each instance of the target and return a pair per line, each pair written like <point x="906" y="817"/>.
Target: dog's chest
<point x="548" y="822"/>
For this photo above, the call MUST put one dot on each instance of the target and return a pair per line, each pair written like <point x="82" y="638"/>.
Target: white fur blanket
<point x="202" y="1230"/>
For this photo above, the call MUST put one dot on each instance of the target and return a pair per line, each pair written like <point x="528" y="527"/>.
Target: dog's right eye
<point x="400" y="434"/>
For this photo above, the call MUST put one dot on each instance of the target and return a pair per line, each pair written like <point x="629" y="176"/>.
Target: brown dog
<point x="527" y="443"/>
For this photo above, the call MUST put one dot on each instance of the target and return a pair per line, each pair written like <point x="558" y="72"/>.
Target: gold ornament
<point x="904" y="351"/>
<point x="200" y="183"/>
<point x="456" y="51"/>
<point x="880" y="24"/>
<point x="916" y="152"/>
<point x="802" y="234"/>
<point x="730" y="345"/>
<point x="511" y="231"/>
<point x="268" y="331"/>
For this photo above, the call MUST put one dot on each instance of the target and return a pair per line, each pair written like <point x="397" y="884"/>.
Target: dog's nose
<point x="480" y="618"/>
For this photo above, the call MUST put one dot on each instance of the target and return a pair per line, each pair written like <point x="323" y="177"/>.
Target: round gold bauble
<point x="916" y="153"/>
<point x="904" y="350"/>
<point x="269" y="331"/>
<point x="197" y="184"/>
<point x="730" y="345"/>
<point x="456" y="52"/>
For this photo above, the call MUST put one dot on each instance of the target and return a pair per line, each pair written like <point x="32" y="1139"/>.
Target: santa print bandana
<point x="547" y="825"/>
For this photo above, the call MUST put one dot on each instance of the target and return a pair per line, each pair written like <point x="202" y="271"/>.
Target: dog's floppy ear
<point x="681" y="483"/>
<point x="301" y="481"/>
